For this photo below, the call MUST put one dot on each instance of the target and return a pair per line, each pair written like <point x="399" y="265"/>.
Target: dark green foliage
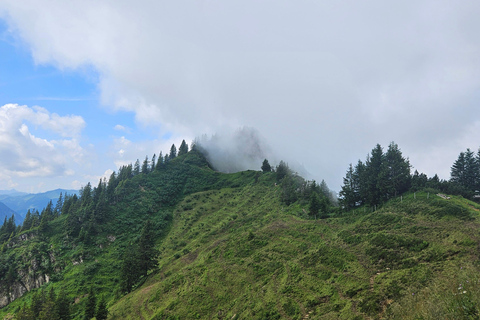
<point x="266" y="166"/>
<point x="183" y="149"/>
<point x="145" y="168"/>
<point x="314" y="207"/>
<point x="173" y="152"/>
<point x="382" y="177"/>
<point x="90" y="305"/>
<point x="102" y="312"/>
<point x="282" y="170"/>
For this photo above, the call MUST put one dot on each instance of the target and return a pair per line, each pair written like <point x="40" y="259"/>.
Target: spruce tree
<point x="266" y="166"/>
<point x="154" y="163"/>
<point x="145" y="165"/>
<point x="90" y="305"/>
<point x="147" y="253"/>
<point x="314" y="206"/>
<point x="173" y="152"/>
<point x="102" y="312"/>
<point x="183" y="149"/>
<point x="136" y="168"/>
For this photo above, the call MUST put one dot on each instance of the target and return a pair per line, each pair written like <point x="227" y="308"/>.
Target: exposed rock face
<point x="34" y="272"/>
<point x="26" y="283"/>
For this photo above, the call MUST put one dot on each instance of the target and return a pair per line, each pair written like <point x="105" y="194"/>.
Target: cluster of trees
<point x="46" y="305"/>
<point x="465" y="171"/>
<point x="381" y="177"/>
<point x="295" y="188"/>
<point x="386" y="175"/>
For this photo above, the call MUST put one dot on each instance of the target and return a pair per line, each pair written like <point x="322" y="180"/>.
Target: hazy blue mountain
<point x="20" y="202"/>
<point x="6" y="212"/>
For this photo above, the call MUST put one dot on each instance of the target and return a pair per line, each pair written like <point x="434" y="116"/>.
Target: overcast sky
<point x="86" y="86"/>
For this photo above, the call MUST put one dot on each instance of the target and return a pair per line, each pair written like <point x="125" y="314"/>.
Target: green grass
<point x="229" y="249"/>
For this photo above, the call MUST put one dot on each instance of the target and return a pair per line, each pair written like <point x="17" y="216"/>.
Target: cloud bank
<point x="25" y="154"/>
<point x="321" y="81"/>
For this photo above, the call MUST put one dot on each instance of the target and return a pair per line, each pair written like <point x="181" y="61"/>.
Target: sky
<point x="87" y="86"/>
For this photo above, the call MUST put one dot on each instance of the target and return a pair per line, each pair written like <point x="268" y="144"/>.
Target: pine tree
<point x="90" y="305"/>
<point x="372" y="175"/>
<point x="145" y="165"/>
<point x="282" y="170"/>
<point x="314" y="206"/>
<point x="130" y="272"/>
<point x="136" y="168"/>
<point x="102" y="311"/>
<point x="266" y="166"/>
<point x="153" y="163"/>
<point x="173" y="152"/>
<point x="348" y="197"/>
<point x="62" y="306"/>
<point x="159" y="161"/>
<point x="146" y="249"/>
<point x="183" y="149"/>
<point x="394" y="177"/>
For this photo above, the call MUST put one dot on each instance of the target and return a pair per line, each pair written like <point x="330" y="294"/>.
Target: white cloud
<point x="322" y="81"/>
<point x="22" y="154"/>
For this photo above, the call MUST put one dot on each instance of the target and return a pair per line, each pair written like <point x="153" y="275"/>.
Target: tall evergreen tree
<point x="314" y="206"/>
<point x="266" y="166"/>
<point x="154" y="162"/>
<point x="90" y="306"/>
<point x="372" y="175"/>
<point x="147" y="253"/>
<point x="282" y="170"/>
<point x="136" y="168"/>
<point x="173" y="152"/>
<point x="159" y="161"/>
<point x="145" y="165"/>
<point x="102" y="312"/>
<point x="62" y="306"/>
<point x="183" y="149"/>
<point x="348" y="198"/>
<point x="394" y="177"/>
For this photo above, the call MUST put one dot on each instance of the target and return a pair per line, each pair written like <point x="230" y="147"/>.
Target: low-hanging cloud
<point x="321" y="81"/>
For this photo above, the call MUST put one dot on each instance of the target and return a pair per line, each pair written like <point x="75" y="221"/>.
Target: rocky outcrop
<point x="26" y="283"/>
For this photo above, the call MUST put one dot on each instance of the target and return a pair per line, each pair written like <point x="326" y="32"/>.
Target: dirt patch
<point x="278" y="225"/>
<point x="189" y="258"/>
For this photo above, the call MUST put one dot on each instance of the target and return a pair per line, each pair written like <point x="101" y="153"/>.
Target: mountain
<point x="21" y="202"/>
<point x="182" y="241"/>
<point x="6" y="212"/>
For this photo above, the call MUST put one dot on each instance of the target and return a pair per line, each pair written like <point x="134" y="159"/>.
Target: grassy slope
<point x="233" y="251"/>
<point x="238" y="254"/>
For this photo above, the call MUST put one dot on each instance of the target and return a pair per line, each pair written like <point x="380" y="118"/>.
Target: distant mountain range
<point x="18" y="203"/>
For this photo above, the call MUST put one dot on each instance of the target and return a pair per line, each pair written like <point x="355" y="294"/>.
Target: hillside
<point x="231" y="248"/>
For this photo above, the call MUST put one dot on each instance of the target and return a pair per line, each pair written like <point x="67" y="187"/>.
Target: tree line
<point x="384" y="175"/>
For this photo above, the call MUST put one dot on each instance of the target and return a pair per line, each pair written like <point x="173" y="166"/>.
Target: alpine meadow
<point x="172" y="238"/>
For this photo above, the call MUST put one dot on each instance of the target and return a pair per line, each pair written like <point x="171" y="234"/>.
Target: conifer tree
<point x="266" y="166"/>
<point x="62" y="306"/>
<point x="314" y="204"/>
<point x="102" y="312"/>
<point x="173" y="152"/>
<point x="145" y="165"/>
<point x="90" y="305"/>
<point x="147" y="253"/>
<point x="183" y="149"/>
<point x="282" y="170"/>
<point x="136" y="168"/>
<point x="159" y="161"/>
<point x="153" y="163"/>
